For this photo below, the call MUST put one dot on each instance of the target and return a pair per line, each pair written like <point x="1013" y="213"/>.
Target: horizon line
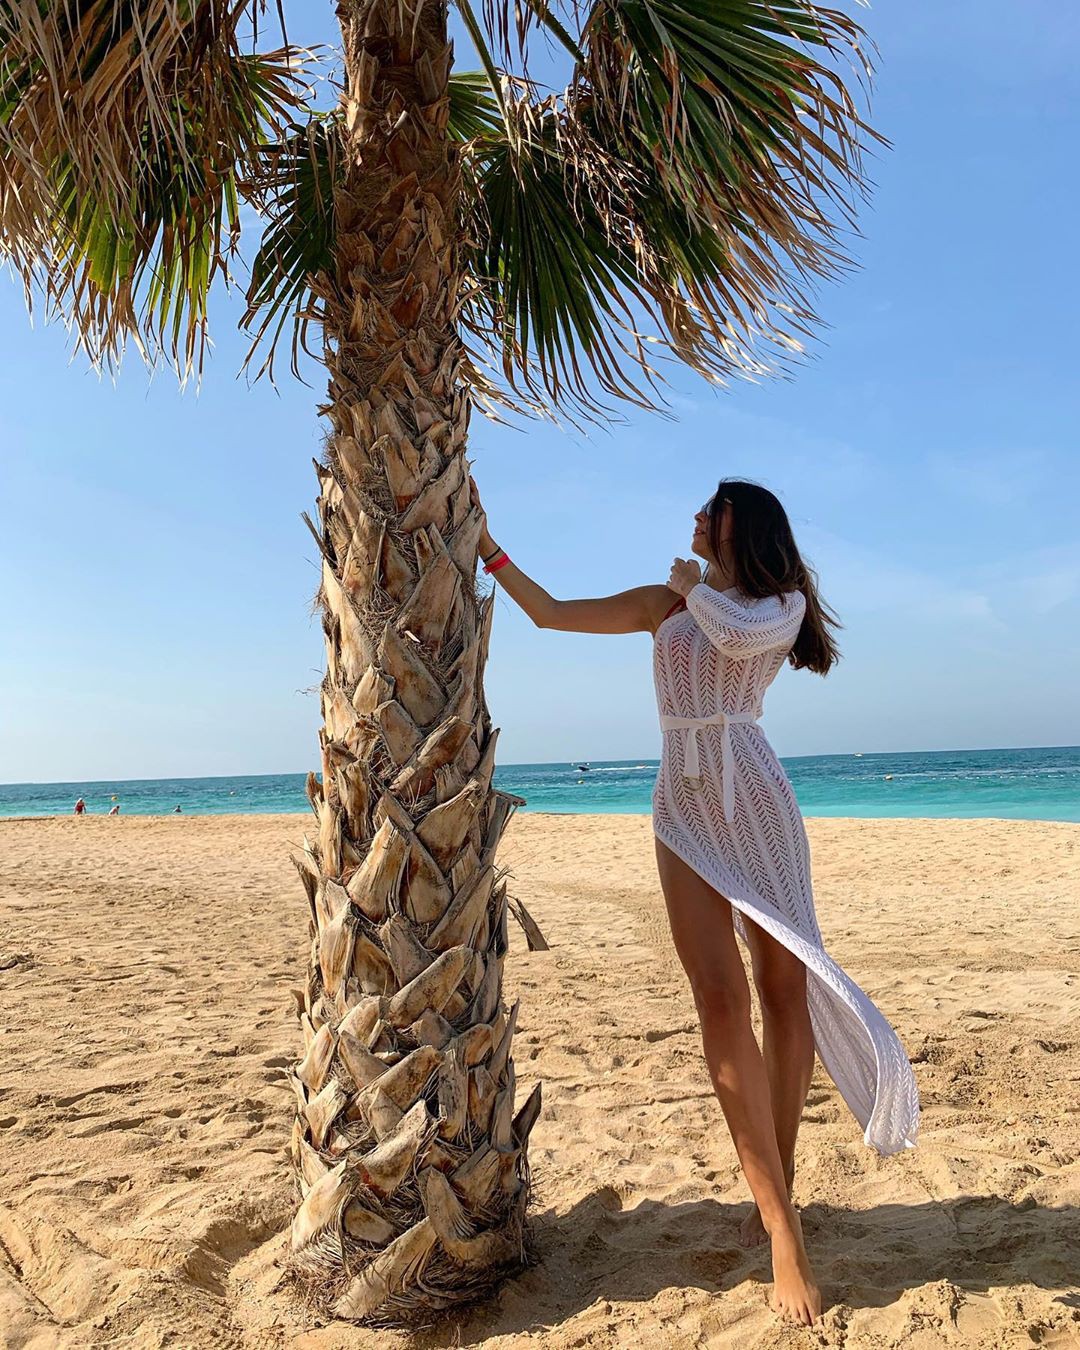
<point x="527" y="764"/>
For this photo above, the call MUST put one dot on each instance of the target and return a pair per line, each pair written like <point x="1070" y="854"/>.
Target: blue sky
<point x="158" y="579"/>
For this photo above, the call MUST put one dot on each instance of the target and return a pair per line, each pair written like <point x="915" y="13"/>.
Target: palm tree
<point x="457" y="239"/>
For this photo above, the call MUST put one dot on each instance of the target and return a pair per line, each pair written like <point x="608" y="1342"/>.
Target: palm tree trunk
<point x="411" y="1162"/>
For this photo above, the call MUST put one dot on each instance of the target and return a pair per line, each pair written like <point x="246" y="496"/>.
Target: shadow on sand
<point x="864" y="1258"/>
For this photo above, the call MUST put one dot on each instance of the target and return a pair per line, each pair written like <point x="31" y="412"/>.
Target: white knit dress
<point x="723" y="803"/>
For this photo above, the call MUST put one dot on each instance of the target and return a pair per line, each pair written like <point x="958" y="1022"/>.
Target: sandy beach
<point x="145" y="970"/>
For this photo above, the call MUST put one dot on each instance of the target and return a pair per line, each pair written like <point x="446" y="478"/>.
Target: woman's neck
<point x="717" y="578"/>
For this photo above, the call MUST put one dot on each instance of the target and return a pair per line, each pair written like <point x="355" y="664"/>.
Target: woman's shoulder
<point x="663" y="603"/>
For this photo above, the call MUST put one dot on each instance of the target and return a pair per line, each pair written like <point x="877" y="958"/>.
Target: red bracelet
<point x="500" y="561"/>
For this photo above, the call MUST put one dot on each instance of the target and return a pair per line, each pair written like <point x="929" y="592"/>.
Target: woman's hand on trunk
<point x="486" y="543"/>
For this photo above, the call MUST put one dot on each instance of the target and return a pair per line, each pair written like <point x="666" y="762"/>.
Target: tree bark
<point x="411" y="1161"/>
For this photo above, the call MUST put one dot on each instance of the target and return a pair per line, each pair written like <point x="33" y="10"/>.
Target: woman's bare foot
<point x="752" y="1232"/>
<point x="795" y="1295"/>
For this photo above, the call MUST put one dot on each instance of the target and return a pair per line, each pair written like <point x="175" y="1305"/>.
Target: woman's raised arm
<point x="632" y="611"/>
<point x="638" y="610"/>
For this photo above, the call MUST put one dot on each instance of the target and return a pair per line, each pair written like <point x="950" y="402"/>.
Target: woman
<point x="733" y="855"/>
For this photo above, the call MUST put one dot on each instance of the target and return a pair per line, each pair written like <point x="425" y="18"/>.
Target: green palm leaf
<point x="474" y="112"/>
<point x="552" y="288"/>
<point x="125" y="132"/>
<point x="293" y="187"/>
<point x="739" y="130"/>
<point x="677" y="202"/>
<point x="293" y="184"/>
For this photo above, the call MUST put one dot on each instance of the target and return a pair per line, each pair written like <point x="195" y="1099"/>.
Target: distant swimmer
<point x="114" y="810"/>
<point x="176" y="810"/>
<point x="80" y="807"/>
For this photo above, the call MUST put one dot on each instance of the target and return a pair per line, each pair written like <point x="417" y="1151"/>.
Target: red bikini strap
<point x="679" y="604"/>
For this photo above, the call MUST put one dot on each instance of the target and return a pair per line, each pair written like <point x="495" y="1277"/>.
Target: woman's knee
<point x="720" y="1000"/>
<point x="782" y="991"/>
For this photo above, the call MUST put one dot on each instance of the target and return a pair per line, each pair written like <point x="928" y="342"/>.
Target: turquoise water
<point x="1040" y="784"/>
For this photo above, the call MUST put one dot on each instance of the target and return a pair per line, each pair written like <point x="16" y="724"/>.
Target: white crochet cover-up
<point x="724" y="805"/>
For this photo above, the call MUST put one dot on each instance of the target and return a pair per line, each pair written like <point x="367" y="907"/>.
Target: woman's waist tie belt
<point x="691" y="766"/>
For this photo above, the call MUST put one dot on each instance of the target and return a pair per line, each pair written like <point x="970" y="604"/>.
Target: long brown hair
<point x="765" y="560"/>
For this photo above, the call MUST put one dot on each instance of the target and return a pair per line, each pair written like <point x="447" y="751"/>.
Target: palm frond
<point x="480" y="41"/>
<point x="737" y="114"/>
<point x="292" y="187"/>
<point x="511" y="42"/>
<point x="583" y="278"/>
<point x="293" y="190"/>
<point x="678" y="202"/>
<point x="474" y="112"/>
<point x="551" y="290"/>
<point x="125" y="130"/>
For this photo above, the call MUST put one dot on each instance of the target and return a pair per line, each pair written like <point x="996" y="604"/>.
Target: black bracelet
<point x="492" y="555"/>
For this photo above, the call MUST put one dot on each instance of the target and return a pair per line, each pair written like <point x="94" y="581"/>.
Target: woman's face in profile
<point x="700" y="542"/>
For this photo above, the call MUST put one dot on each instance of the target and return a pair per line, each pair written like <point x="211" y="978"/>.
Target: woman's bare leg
<point x="705" y="940"/>
<point x="788" y="1045"/>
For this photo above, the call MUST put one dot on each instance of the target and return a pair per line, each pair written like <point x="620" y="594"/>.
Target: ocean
<point x="1037" y="784"/>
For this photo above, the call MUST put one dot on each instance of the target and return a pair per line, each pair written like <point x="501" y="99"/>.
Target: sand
<point x="145" y="968"/>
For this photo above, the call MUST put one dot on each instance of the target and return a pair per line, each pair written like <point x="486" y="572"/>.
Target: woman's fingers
<point x="474" y="497"/>
<point x="486" y="541"/>
<point x="684" y="576"/>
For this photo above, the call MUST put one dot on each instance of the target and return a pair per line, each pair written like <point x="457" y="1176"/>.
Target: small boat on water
<point x="583" y="767"/>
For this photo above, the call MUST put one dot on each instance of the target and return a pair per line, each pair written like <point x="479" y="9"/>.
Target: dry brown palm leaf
<point x="122" y="158"/>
